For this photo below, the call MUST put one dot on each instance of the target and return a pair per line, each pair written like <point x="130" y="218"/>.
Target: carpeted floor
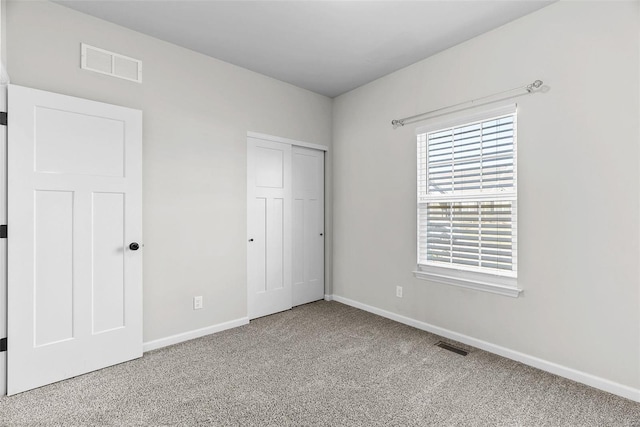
<point x="322" y="364"/>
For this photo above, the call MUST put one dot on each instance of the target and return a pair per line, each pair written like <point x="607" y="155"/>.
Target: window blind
<point x="467" y="196"/>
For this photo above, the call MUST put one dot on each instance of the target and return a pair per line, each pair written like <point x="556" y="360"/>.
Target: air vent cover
<point x="110" y="63"/>
<point x="452" y="348"/>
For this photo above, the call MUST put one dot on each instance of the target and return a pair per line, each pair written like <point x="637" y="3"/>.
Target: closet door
<point x="268" y="227"/>
<point x="308" y="225"/>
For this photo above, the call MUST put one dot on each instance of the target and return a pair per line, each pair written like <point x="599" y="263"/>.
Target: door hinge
<point x="3" y="231"/>
<point x="3" y="118"/>
<point x="3" y="345"/>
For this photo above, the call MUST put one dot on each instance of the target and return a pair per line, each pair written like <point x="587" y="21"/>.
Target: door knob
<point x="322" y="234"/>
<point x="251" y="240"/>
<point x="134" y="246"/>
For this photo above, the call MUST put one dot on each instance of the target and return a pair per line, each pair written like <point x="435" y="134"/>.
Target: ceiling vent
<point x="109" y="63"/>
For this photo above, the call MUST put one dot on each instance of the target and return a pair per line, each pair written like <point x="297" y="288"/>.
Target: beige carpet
<point x="322" y="364"/>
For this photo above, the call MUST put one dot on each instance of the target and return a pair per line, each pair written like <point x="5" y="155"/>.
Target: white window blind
<point x="467" y="196"/>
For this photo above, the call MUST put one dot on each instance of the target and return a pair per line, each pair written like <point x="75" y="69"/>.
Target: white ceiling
<point x="328" y="47"/>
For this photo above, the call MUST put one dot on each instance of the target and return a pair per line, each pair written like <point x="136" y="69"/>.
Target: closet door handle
<point x="251" y="240"/>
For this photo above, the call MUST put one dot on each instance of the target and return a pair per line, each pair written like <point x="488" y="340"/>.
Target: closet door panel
<point x="308" y="225"/>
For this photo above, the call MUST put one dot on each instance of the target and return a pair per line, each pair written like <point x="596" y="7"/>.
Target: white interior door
<point x="268" y="227"/>
<point x="308" y="225"/>
<point x="74" y="209"/>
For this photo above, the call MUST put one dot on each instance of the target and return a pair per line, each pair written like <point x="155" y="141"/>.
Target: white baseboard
<point x="197" y="333"/>
<point x="563" y="371"/>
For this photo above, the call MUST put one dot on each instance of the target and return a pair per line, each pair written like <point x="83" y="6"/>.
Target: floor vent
<point x="452" y="348"/>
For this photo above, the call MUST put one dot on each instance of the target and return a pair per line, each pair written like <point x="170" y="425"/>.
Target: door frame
<point x="291" y="142"/>
<point x="3" y="195"/>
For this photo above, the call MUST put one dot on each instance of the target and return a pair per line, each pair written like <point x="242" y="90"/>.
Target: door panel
<point x="59" y="133"/>
<point x="268" y="227"/>
<point x="269" y="167"/>
<point x="53" y="260"/>
<point x="257" y="266"/>
<point x="74" y="205"/>
<point x="315" y="244"/>
<point x="308" y="225"/>
<point x="275" y="245"/>
<point x="298" y="242"/>
<point x="108" y="262"/>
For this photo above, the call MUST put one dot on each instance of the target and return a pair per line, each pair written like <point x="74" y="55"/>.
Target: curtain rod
<point x="406" y="120"/>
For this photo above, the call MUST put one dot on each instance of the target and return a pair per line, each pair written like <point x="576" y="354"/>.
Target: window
<point x="467" y="201"/>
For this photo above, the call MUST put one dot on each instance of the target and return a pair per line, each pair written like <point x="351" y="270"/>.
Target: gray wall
<point x="578" y="188"/>
<point x="197" y="111"/>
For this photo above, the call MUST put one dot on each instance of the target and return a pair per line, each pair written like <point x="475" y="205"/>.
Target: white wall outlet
<point x="399" y="291"/>
<point x="197" y="303"/>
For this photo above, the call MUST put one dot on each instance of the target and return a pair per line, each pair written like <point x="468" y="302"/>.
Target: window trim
<point x="502" y="283"/>
<point x="481" y="281"/>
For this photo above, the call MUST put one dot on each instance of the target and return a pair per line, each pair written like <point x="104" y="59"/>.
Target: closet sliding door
<point x="268" y="227"/>
<point x="285" y="226"/>
<point x="308" y="225"/>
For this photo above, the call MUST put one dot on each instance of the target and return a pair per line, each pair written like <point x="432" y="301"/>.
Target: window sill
<point x="471" y="280"/>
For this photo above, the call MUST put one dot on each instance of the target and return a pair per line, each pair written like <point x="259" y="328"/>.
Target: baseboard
<point x="554" y="368"/>
<point x="197" y="333"/>
<point x="328" y="297"/>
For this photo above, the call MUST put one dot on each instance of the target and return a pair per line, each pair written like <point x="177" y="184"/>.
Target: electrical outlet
<point x="197" y="303"/>
<point x="399" y="291"/>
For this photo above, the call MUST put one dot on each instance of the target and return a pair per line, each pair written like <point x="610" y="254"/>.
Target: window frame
<point x="471" y="277"/>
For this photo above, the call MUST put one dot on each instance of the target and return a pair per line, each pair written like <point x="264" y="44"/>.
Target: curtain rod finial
<point x="396" y="123"/>
<point x="535" y="85"/>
